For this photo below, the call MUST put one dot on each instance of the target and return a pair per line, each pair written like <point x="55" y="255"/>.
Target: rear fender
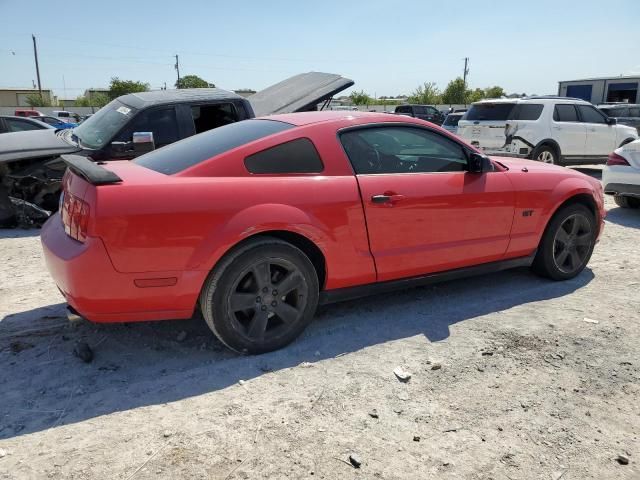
<point x="253" y="221"/>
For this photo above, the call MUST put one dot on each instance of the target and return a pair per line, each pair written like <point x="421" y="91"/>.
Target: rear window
<point x="452" y="120"/>
<point x="490" y="111"/>
<point x="186" y="153"/>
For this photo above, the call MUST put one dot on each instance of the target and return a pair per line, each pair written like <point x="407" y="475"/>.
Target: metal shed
<point x="603" y="90"/>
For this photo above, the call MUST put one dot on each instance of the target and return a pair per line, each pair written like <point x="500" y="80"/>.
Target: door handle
<point x="387" y="197"/>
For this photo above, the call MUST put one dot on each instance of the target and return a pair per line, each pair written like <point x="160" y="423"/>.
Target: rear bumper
<point x="621" y="180"/>
<point x="96" y="291"/>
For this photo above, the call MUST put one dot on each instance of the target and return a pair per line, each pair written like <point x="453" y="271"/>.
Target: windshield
<point x="490" y="111"/>
<point x="615" y="111"/>
<point x="100" y="128"/>
<point x="452" y="120"/>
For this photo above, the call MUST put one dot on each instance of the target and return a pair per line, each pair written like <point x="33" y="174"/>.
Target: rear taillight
<point x="615" y="159"/>
<point x="75" y="216"/>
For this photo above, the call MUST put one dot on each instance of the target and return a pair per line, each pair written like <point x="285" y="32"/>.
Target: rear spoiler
<point x="90" y="171"/>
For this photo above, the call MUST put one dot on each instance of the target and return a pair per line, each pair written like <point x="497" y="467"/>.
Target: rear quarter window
<point x="186" y="153"/>
<point x="296" y="156"/>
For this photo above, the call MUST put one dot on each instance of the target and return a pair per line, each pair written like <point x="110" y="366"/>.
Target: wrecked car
<point x="31" y="169"/>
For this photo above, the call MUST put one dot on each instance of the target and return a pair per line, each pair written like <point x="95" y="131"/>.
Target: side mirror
<point x="143" y="142"/>
<point x="611" y="121"/>
<point x="477" y="162"/>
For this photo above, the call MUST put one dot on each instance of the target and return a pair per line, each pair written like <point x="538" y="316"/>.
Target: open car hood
<point x="300" y="93"/>
<point x="32" y="144"/>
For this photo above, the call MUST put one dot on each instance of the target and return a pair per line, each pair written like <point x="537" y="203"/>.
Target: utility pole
<point x="464" y="78"/>
<point x="177" y="70"/>
<point x="35" y="53"/>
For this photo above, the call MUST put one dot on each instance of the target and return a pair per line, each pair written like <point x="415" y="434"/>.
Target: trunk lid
<point x="300" y="93"/>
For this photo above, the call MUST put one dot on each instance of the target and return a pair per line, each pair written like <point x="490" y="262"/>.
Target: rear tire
<point x="567" y="243"/>
<point x="261" y="296"/>
<point x="626" y="202"/>
<point x="546" y="154"/>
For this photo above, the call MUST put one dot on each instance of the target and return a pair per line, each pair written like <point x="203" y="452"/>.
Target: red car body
<point x="143" y="247"/>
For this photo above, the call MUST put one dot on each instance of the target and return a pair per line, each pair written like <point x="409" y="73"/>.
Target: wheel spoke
<point x="262" y="272"/>
<point x="242" y="301"/>
<point x="291" y="282"/>
<point x="583" y="240"/>
<point x="562" y="257"/>
<point x="258" y="324"/>
<point x="562" y="236"/>
<point x="575" y="259"/>
<point x="286" y="312"/>
<point x="575" y="225"/>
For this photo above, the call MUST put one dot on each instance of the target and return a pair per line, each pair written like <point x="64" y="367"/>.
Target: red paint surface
<point x="153" y="226"/>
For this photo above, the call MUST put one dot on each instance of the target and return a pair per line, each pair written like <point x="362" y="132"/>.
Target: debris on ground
<point x="355" y="460"/>
<point x="623" y="460"/>
<point x="3" y="453"/>
<point x="402" y="374"/>
<point x="590" y="320"/>
<point x="416" y="438"/>
<point x="167" y="433"/>
<point x="436" y="366"/>
<point x="83" y="351"/>
<point x="374" y="413"/>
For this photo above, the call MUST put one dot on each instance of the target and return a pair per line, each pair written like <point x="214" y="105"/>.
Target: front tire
<point x="260" y="297"/>
<point x="567" y="243"/>
<point x="626" y="202"/>
<point x="546" y="154"/>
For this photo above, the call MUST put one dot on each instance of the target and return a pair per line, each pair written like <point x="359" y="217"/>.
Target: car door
<point x="568" y="130"/>
<point x="425" y="212"/>
<point x="162" y="121"/>
<point x="601" y="137"/>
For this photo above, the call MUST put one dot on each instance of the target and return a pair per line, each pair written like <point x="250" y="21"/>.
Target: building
<point x="602" y="90"/>
<point x="91" y="92"/>
<point x="17" y="97"/>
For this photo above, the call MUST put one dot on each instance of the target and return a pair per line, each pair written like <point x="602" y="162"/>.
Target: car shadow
<point x="595" y="171"/>
<point x="19" y="232"/>
<point x="627" y="217"/>
<point x="138" y="364"/>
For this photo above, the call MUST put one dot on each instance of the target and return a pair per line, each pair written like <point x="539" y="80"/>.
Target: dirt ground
<point x="508" y="382"/>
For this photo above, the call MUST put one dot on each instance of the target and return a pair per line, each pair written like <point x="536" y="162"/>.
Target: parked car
<point x="550" y="129"/>
<point x="372" y="202"/>
<point x="119" y="130"/>
<point x="28" y="113"/>
<point x="450" y="123"/>
<point x="621" y="175"/>
<point x="423" y="112"/>
<point x="65" y="115"/>
<point x="10" y="123"/>
<point x="625" y="114"/>
<point x="56" y="122"/>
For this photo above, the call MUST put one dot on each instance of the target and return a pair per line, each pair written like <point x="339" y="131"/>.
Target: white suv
<point x="557" y="130"/>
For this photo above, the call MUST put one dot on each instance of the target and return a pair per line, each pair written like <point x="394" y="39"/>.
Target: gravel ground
<point x="513" y="377"/>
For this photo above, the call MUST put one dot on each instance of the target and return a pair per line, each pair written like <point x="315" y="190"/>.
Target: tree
<point x="494" y="92"/>
<point x="475" y="95"/>
<point x="428" y="93"/>
<point x="455" y="93"/>
<point x="122" y="87"/>
<point x="37" y="100"/>
<point x="95" y="100"/>
<point x="360" y="98"/>
<point x="193" y="81"/>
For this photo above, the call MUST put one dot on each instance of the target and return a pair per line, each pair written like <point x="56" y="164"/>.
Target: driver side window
<point x="383" y="150"/>
<point x="161" y="121"/>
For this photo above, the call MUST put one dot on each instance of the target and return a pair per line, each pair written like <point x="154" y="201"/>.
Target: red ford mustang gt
<point x="257" y="222"/>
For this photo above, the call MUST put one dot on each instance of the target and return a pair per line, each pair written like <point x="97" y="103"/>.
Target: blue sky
<point x="387" y="47"/>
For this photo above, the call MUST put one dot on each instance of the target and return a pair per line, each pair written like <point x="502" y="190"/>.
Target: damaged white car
<point x="559" y="130"/>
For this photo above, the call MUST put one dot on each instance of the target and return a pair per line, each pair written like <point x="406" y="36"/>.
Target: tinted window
<point x="565" y="113"/>
<point x="452" y="120"/>
<point x="402" y="150"/>
<point x="49" y="120"/>
<point x="14" y="125"/>
<point x="161" y="121"/>
<point x="193" y="150"/>
<point x="207" y="117"/>
<point x="490" y="111"/>
<point x="432" y="111"/>
<point x="591" y="114"/>
<point x="527" y="111"/>
<point x="296" y="156"/>
<point x="615" y="111"/>
<point x="403" y="110"/>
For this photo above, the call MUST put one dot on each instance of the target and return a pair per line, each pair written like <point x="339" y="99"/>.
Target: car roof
<point x="164" y="97"/>
<point x="307" y="118"/>
<point x="535" y="99"/>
